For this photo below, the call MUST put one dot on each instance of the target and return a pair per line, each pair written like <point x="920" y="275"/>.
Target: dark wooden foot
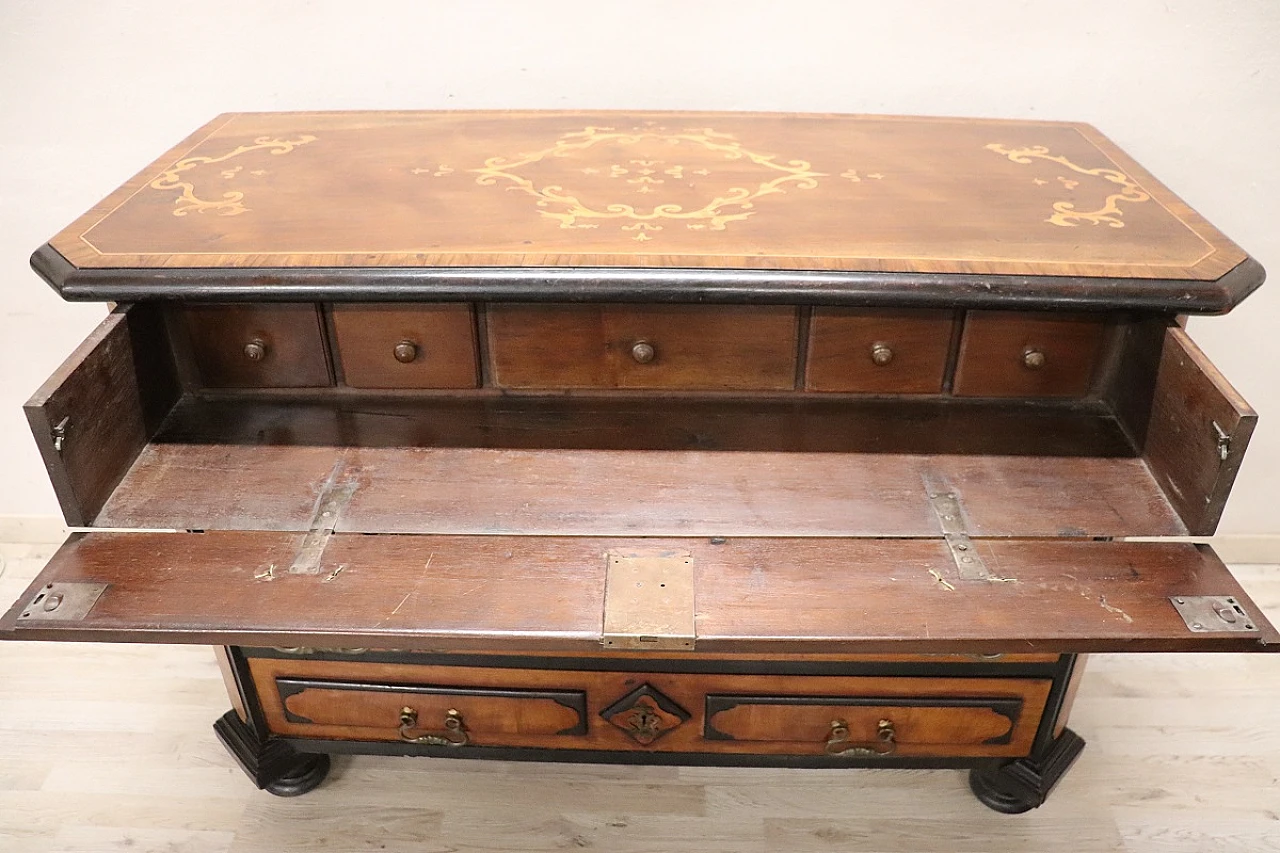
<point x="272" y="764"/>
<point x="1023" y="784"/>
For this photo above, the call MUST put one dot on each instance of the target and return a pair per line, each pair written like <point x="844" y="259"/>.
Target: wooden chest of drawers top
<point x="819" y="209"/>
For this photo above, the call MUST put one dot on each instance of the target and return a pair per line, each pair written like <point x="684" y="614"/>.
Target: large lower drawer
<point x="837" y="716"/>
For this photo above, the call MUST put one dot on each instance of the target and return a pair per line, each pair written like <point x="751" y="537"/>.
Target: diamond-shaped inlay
<point x="645" y="714"/>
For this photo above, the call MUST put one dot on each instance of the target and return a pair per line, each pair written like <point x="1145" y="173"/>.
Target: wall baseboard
<point x="1240" y="549"/>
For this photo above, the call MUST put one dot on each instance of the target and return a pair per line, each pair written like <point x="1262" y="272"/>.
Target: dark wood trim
<point x="1055" y="703"/>
<point x="623" y="284"/>
<point x="273" y="764"/>
<point x="647" y="757"/>
<point x="766" y="666"/>
<point x="1017" y="786"/>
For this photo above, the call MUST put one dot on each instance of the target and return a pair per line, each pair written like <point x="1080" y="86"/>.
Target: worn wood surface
<point x="720" y="190"/>
<point x="996" y="343"/>
<point x="1182" y="756"/>
<point x="927" y="726"/>
<point x="108" y="397"/>
<point x="842" y="343"/>
<point x="1198" y="431"/>
<point x="442" y="337"/>
<point x="527" y="593"/>
<point x="691" y="347"/>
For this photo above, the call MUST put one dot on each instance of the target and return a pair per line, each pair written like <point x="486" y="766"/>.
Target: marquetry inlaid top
<point x="646" y="189"/>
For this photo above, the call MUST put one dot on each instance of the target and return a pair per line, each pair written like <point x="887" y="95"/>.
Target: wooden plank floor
<point x="110" y="748"/>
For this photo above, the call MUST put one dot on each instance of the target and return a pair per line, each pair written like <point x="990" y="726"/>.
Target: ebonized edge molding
<point x="649" y="285"/>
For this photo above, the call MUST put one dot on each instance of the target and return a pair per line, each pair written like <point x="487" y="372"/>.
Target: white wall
<point x="91" y="92"/>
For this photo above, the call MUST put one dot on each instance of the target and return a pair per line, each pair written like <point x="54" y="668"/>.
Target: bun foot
<point x="272" y="764"/>
<point x="1023" y="784"/>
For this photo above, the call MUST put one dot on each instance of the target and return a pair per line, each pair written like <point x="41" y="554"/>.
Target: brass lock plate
<point x="62" y="602"/>
<point x="648" y="602"/>
<point x="1207" y="614"/>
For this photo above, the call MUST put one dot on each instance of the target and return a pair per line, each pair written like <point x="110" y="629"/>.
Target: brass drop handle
<point x="881" y="354"/>
<point x="405" y="351"/>
<point x="838" y="740"/>
<point x="1033" y="358"/>
<point x="255" y="350"/>
<point x="643" y="352"/>
<point x="454" y="734"/>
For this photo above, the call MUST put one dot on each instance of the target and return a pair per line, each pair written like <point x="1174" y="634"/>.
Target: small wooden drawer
<point x="430" y="714"/>
<point x="878" y="351"/>
<point x="1013" y="354"/>
<point x="870" y="724"/>
<point x="623" y="346"/>
<point x="257" y="346"/>
<point x="405" y="346"/>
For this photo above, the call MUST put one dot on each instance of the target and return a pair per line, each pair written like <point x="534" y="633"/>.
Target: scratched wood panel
<point x="530" y="593"/>
<point x="725" y="190"/>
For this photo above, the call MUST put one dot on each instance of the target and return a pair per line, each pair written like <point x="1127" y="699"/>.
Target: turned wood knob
<point x="643" y="352"/>
<point x="255" y="350"/>
<point x="1032" y="358"/>
<point x="881" y="353"/>
<point x="405" y="351"/>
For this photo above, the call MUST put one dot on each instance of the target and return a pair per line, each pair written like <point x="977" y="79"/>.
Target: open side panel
<point x="518" y="594"/>
<point x="95" y="414"/>
<point x="1190" y="424"/>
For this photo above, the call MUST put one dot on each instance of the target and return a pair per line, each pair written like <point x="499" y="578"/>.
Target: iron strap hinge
<point x="946" y="505"/>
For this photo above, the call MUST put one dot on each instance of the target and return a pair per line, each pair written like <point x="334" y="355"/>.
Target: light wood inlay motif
<point x="758" y="191"/>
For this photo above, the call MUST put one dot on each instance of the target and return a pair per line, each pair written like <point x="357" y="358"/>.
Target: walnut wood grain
<point x="918" y="704"/>
<point x="524" y="594"/>
<point x="441" y="343"/>
<point x="806" y="201"/>
<point x="878" y="352"/>
<point x="689" y="347"/>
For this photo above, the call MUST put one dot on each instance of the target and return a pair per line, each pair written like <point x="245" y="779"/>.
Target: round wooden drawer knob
<point x="1032" y="358"/>
<point x="255" y="350"/>
<point x="643" y="352"/>
<point x="881" y="354"/>
<point x="405" y="351"/>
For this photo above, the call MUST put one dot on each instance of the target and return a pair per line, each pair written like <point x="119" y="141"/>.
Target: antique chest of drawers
<point x="763" y="439"/>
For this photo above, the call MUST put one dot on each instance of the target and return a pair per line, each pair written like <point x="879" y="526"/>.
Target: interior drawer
<point x="257" y="346"/>
<point x="1020" y="354"/>
<point x="950" y="720"/>
<point x="878" y="351"/>
<point x="624" y="346"/>
<point x="405" y="346"/>
<point x="436" y="715"/>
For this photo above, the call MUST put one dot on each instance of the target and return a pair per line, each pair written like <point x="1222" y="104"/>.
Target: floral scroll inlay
<point x="647" y="174"/>
<point x="232" y="202"/>
<point x="1064" y="212"/>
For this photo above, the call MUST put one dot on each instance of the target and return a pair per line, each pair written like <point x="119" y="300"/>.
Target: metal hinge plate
<point x="946" y="505"/>
<point x="1206" y="614"/>
<point x="648" y="602"/>
<point x="62" y="602"/>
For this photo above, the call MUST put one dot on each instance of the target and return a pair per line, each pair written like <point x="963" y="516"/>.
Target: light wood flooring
<point x="108" y="748"/>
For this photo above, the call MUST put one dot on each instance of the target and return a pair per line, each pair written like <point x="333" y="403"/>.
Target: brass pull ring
<point x="454" y="734"/>
<point x="837" y="741"/>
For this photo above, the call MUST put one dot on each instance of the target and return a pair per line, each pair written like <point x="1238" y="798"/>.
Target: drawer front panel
<point x="257" y="346"/>
<point x="1011" y="354"/>
<point x="365" y="711"/>
<point x="620" y="346"/>
<point x="402" y="346"/>
<point x="650" y="711"/>
<point x="881" y="724"/>
<point x="878" y="351"/>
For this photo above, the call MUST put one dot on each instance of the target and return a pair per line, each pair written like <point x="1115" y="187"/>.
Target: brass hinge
<point x="58" y="433"/>
<point x="649" y="602"/>
<point x="1224" y="442"/>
